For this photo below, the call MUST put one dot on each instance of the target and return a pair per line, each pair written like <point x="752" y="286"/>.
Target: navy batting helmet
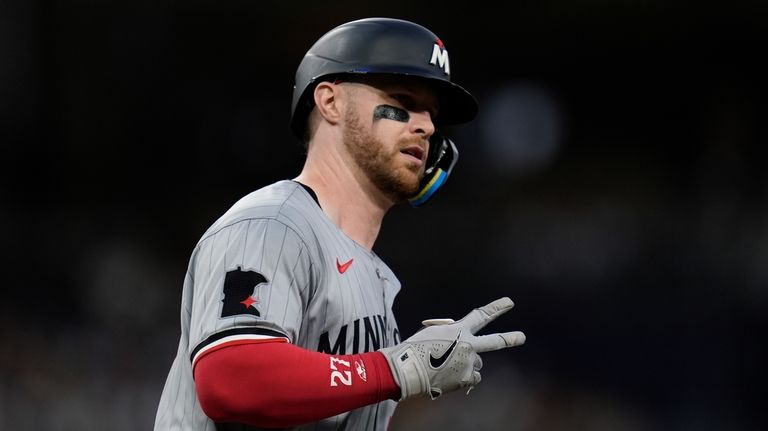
<point x="380" y="46"/>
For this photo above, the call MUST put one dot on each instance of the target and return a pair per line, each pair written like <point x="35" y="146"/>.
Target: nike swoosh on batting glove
<point x="443" y="356"/>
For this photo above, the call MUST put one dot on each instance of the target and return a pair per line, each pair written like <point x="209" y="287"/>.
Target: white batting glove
<point x="443" y="356"/>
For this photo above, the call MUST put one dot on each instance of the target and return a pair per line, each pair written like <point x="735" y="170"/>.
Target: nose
<point x="421" y="123"/>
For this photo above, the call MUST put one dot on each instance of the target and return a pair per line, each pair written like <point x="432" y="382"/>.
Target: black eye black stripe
<point x="388" y="112"/>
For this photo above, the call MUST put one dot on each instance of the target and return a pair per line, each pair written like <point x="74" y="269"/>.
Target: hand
<point x="443" y="356"/>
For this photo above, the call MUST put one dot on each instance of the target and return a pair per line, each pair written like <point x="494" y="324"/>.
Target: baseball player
<point x="286" y="314"/>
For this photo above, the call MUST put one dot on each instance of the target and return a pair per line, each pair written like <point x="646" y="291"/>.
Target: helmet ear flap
<point x="441" y="159"/>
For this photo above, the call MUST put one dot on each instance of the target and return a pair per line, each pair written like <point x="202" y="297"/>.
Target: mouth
<point x="415" y="152"/>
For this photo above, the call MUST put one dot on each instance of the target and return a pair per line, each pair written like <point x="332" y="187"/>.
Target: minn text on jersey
<point x="367" y="334"/>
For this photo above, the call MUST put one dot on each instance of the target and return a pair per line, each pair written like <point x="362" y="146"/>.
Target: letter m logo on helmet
<point x="440" y="57"/>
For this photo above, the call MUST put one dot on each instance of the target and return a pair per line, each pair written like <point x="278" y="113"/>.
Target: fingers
<point x="434" y="322"/>
<point x="479" y="317"/>
<point x="489" y="343"/>
<point x="476" y="378"/>
<point x="478" y="365"/>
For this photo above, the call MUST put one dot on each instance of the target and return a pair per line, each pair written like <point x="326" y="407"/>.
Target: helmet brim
<point x="456" y="105"/>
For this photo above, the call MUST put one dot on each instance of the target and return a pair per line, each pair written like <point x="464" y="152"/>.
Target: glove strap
<point x="408" y="371"/>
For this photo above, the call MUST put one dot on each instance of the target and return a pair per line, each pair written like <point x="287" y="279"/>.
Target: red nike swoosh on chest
<point x="342" y="267"/>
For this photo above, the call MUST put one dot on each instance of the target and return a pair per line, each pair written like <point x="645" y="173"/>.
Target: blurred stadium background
<point x="613" y="185"/>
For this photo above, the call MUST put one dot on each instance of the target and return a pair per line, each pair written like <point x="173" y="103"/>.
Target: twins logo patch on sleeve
<point x="239" y="287"/>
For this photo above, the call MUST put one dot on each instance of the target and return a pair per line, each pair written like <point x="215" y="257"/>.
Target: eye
<point x="403" y="99"/>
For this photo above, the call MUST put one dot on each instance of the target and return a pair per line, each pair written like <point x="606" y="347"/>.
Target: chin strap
<point x="440" y="162"/>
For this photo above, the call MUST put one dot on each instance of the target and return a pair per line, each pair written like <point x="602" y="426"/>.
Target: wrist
<point x="389" y="389"/>
<point x="408" y="370"/>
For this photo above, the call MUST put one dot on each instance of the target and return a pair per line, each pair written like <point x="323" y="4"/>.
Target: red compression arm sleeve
<point x="277" y="384"/>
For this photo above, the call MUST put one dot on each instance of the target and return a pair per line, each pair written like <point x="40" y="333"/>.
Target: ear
<point x="327" y="101"/>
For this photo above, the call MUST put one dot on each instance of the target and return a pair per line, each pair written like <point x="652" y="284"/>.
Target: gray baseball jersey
<point x="274" y="265"/>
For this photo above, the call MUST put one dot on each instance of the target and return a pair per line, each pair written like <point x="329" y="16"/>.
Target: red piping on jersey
<point x="277" y="384"/>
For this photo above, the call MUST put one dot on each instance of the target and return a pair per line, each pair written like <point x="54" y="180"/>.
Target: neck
<point x="346" y="196"/>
